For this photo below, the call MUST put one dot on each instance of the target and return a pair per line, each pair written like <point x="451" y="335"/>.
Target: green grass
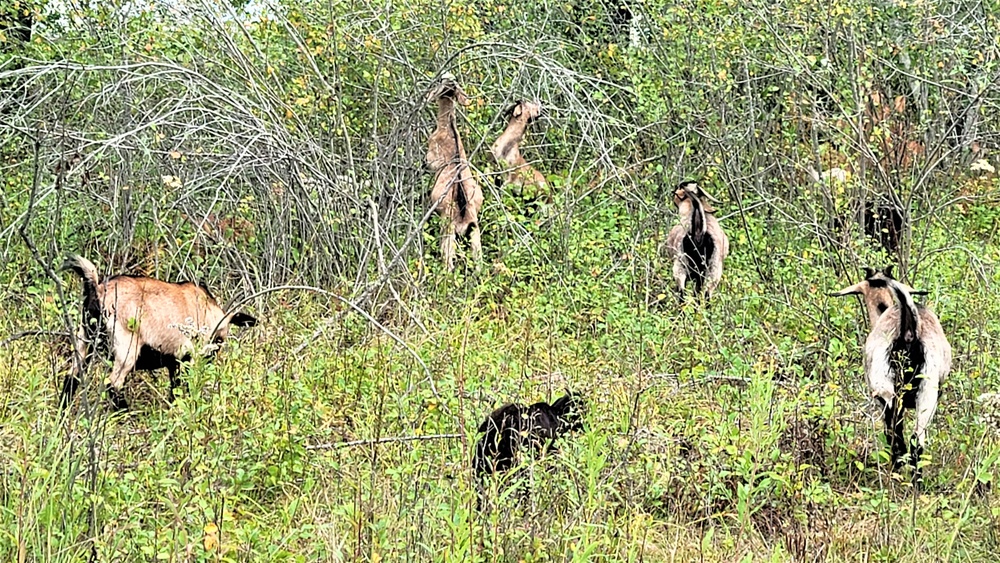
<point x="740" y="432"/>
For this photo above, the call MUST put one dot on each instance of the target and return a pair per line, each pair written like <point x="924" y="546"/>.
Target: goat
<point x="698" y="244"/>
<point x="906" y="358"/>
<point x="884" y="224"/>
<point x="882" y="220"/>
<point x="507" y="153"/>
<point x="149" y="324"/>
<point x="512" y="428"/>
<point x="456" y="193"/>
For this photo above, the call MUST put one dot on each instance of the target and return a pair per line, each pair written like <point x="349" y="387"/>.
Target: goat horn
<point x="707" y="195"/>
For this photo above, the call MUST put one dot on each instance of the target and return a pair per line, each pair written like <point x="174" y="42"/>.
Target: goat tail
<point x="908" y="314"/>
<point x="460" y="198"/>
<point x="83" y="268"/>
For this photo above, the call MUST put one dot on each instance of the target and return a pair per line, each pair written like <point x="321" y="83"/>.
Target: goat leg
<point x="916" y="450"/>
<point x="894" y="431"/>
<point x="126" y="353"/>
<point x="448" y="244"/>
<point x="80" y="363"/>
<point x="926" y="405"/>
<point x="680" y="278"/>
<point x="175" y="380"/>
<point x="117" y="399"/>
<point x="70" y="384"/>
<point x="476" y="246"/>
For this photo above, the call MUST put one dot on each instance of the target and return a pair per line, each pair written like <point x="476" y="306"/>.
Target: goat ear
<point x="869" y="272"/>
<point x="243" y="320"/>
<point x="855" y="289"/>
<point x="517" y="111"/>
<point x="888" y="271"/>
<point x="909" y="289"/>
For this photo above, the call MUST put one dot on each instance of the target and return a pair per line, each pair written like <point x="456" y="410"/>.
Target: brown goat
<point x="698" y="245"/>
<point x="456" y="193"/>
<point x="507" y="153"/>
<point x="147" y="323"/>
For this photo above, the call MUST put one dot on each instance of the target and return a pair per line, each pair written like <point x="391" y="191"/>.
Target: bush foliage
<point x="274" y="150"/>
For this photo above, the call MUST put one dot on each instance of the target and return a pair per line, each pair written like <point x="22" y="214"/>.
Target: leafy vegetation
<point x="276" y="154"/>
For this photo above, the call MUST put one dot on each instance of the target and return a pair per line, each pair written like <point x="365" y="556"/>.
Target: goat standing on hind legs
<point x="456" y="193"/>
<point x="906" y="358"/>
<point x="698" y="244"/>
<point x="506" y="152"/>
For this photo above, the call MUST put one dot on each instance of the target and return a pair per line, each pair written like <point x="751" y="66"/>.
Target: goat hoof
<point x="117" y="399"/>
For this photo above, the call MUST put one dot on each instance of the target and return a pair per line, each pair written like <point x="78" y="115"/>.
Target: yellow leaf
<point x="211" y="539"/>
<point x="176" y="155"/>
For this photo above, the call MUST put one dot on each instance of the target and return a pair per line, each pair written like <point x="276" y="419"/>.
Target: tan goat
<point x="698" y="245"/>
<point x="907" y="357"/>
<point x="507" y="152"/>
<point x="147" y="323"/>
<point x="456" y="193"/>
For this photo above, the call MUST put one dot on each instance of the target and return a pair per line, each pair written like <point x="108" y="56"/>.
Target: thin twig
<point x="386" y="440"/>
<point x="27" y="333"/>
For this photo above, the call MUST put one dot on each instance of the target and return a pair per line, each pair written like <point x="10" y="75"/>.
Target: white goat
<point x="698" y="244"/>
<point x="148" y="323"/>
<point x="906" y="358"/>
<point x="456" y="193"/>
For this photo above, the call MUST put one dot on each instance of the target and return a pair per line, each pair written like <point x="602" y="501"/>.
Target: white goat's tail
<point x="909" y="317"/>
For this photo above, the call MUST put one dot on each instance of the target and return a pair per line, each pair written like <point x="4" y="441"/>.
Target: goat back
<point x="165" y="315"/>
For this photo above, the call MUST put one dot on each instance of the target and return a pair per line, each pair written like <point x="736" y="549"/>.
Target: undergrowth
<point x="737" y="431"/>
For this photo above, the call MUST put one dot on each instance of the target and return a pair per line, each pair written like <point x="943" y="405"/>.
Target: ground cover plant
<point x="275" y="151"/>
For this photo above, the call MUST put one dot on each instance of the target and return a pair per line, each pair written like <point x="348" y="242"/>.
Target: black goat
<point x="884" y="224"/>
<point x="513" y="428"/>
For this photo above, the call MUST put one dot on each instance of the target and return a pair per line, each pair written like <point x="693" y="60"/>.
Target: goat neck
<point x="507" y="147"/>
<point x="446" y="114"/>
<point x="447" y="121"/>
<point x="909" y="316"/>
<point x="444" y="146"/>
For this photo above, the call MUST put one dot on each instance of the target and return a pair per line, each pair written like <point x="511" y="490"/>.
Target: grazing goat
<point x="456" y="193"/>
<point x="512" y="428"/>
<point x="698" y="244"/>
<point x="148" y="323"/>
<point x="507" y="152"/>
<point x="906" y="358"/>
